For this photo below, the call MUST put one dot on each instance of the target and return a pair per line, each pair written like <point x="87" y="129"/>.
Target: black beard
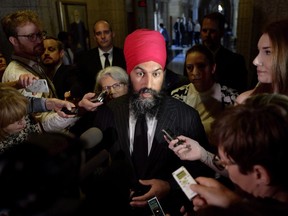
<point x="148" y="106"/>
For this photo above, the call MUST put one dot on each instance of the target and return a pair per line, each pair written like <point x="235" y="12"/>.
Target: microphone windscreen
<point x="92" y="137"/>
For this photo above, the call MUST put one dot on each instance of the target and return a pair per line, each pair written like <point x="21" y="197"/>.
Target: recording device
<point x="184" y="179"/>
<point x="92" y="137"/>
<point x="171" y="137"/>
<point x="155" y="207"/>
<point x="101" y="97"/>
<point x="73" y="111"/>
<point x="38" y="85"/>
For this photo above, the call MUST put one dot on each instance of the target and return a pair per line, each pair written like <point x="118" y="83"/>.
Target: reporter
<point x="192" y="150"/>
<point x="17" y="118"/>
<point x="253" y="154"/>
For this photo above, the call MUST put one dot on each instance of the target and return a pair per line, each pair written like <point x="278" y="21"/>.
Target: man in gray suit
<point x="124" y="182"/>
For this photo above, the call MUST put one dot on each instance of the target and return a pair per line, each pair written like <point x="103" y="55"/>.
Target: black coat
<point x="66" y="79"/>
<point x="231" y="69"/>
<point x="89" y="64"/>
<point x="113" y="120"/>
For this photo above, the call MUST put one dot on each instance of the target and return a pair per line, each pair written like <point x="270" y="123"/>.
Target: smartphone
<point x="39" y="85"/>
<point x="184" y="179"/>
<point x="155" y="207"/>
<point x="171" y="137"/>
<point x="73" y="111"/>
<point x="101" y="97"/>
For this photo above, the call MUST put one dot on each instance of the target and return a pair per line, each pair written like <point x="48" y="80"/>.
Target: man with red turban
<point x="132" y="180"/>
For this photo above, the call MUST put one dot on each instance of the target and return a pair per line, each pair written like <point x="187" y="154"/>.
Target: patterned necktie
<point x="107" y="63"/>
<point x="140" y="146"/>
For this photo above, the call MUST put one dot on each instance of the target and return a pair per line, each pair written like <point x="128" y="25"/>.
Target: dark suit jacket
<point x="113" y="120"/>
<point x="66" y="79"/>
<point x="89" y="64"/>
<point x="231" y="69"/>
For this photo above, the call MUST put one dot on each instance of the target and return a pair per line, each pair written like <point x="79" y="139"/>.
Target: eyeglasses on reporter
<point x="115" y="86"/>
<point x="220" y="164"/>
<point x="33" y="36"/>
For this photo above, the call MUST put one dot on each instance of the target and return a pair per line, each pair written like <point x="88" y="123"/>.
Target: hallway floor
<point x="177" y="58"/>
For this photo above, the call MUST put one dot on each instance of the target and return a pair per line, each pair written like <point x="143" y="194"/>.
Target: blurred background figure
<point x="3" y="65"/>
<point x="190" y="32"/>
<point x="165" y="34"/>
<point x="231" y="68"/>
<point x="66" y="39"/>
<point x="79" y="33"/>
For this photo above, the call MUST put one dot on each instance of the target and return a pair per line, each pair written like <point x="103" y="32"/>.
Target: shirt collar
<point x="101" y="52"/>
<point x="29" y="62"/>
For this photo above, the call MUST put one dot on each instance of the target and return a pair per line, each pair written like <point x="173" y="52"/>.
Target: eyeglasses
<point x="116" y="86"/>
<point x="220" y="164"/>
<point x="33" y="37"/>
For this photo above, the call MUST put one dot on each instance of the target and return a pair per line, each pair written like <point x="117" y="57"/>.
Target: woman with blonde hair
<point x="15" y="124"/>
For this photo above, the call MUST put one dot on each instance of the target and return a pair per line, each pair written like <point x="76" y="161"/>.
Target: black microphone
<point x="91" y="137"/>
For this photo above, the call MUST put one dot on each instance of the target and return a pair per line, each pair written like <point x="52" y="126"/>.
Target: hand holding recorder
<point x="89" y="102"/>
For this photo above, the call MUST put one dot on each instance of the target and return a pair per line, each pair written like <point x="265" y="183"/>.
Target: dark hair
<point x="201" y="49"/>
<point x="216" y="16"/>
<point x="256" y="133"/>
<point x="60" y="45"/>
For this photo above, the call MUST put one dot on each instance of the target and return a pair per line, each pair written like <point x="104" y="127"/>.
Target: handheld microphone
<point x="92" y="137"/>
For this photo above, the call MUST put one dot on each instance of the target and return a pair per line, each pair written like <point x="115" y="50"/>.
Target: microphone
<point x="92" y="137"/>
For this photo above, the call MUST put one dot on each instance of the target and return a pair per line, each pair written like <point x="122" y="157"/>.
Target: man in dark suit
<point x="145" y="54"/>
<point x="230" y="67"/>
<point x="64" y="77"/>
<point x="92" y="61"/>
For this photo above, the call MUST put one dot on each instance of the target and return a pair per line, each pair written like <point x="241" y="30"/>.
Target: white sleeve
<point x="51" y="121"/>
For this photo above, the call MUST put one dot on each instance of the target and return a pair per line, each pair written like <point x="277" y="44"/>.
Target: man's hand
<point x="159" y="188"/>
<point x="57" y="105"/>
<point x="25" y="80"/>
<point x="87" y="104"/>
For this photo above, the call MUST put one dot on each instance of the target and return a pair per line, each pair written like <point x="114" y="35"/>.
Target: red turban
<point x="144" y="45"/>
